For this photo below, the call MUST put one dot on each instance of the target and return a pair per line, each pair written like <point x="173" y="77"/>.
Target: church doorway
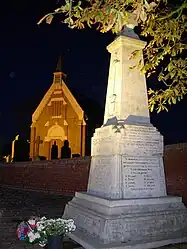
<point x="55" y="135"/>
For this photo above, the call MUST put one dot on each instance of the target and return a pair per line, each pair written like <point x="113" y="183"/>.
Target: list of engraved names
<point x="140" y="174"/>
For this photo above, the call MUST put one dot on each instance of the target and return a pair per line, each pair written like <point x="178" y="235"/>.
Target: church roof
<point x="58" y="84"/>
<point x="59" y="64"/>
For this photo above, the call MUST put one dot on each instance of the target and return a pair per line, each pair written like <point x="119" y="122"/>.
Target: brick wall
<point x="59" y="176"/>
<point x="175" y="159"/>
<point x="67" y="176"/>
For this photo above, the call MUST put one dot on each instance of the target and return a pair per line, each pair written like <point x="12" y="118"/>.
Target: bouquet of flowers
<point x="37" y="230"/>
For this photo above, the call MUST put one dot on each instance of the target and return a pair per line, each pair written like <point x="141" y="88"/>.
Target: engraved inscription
<point x="141" y="174"/>
<point x="100" y="174"/>
<point x="112" y="106"/>
<point x="104" y="177"/>
<point x="86" y="223"/>
<point x="140" y="148"/>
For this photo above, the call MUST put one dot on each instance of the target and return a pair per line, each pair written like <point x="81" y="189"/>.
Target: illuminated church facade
<point x="58" y="117"/>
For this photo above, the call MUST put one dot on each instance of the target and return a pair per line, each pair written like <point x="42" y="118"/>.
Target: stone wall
<point x="67" y="176"/>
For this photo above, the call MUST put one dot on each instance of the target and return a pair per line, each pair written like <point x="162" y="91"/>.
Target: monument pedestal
<point x="127" y="162"/>
<point x="131" y="223"/>
<point x="126" y="204"/>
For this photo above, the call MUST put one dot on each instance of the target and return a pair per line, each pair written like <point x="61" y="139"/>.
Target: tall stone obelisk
<point x="126" y="204"/>
<point x="126" y="98"/>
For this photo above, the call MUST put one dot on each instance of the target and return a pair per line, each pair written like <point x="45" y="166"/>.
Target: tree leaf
<point x="58" y="10"/>
<point x="49" y="19"/>
<point x="159" y="109"/>
<point x="152" y="108"/>
<point x="143" y="15"/>
<point x="150" y="6"/>
<point x="174" y="100"/>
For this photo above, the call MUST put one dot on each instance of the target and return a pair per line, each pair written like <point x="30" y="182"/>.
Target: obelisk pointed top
<point x="128" y="30"/>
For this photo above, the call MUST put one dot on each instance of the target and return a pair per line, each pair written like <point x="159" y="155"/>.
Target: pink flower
<point x="32" y="223"/>
<point x="25" y="230"/>
<point x="33" y="226"/>
<point x="18" y="233"/>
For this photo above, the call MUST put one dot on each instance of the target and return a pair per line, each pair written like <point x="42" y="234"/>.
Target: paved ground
<point x="18" y="205"/>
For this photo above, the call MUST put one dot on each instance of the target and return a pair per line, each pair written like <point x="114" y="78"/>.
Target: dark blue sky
<point x="28" y="58"/>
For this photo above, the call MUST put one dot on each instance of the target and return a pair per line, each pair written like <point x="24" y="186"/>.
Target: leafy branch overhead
<point x="164" y="26"/>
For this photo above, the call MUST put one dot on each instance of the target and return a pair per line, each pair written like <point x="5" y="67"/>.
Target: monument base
<point x="129" y="223"/>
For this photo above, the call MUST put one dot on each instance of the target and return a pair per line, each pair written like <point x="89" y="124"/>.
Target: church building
<point x="57" y="118"/>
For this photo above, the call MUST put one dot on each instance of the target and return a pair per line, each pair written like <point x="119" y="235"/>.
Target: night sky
<point x="28" y="57"/>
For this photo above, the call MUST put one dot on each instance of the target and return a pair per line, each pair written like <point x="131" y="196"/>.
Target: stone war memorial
<point x="126" y="204"/>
